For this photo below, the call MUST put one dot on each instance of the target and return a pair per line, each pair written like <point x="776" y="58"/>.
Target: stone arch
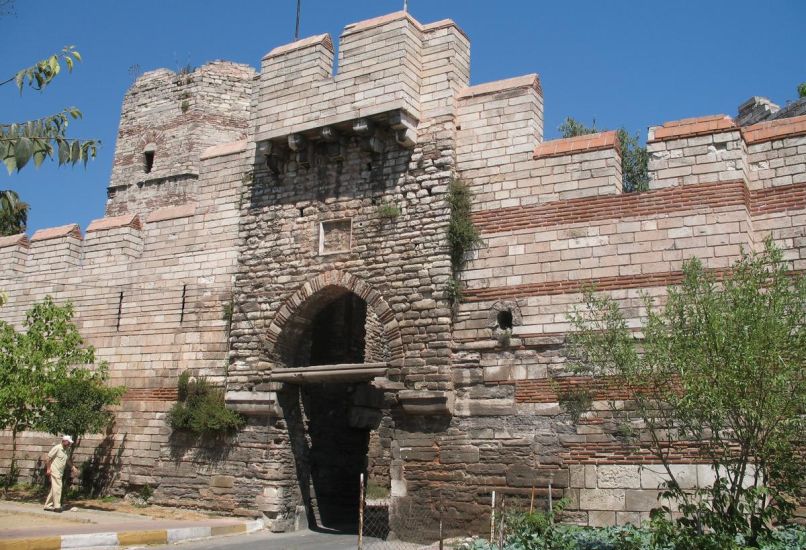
<point x="325" y="286"/>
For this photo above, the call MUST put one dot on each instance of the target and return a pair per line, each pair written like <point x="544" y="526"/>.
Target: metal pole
<point x="492" y="522"/>
<point x="440" y="531"/>
<point x="361" y="513"/>
<point x="405" y="5"/>
<point x="296" y="31"/>
<point x="551" y="505"/>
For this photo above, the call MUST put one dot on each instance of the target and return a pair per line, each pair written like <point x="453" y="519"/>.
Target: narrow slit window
<point x="148" y="161"/>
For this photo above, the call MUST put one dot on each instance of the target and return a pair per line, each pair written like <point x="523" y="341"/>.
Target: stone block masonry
<point x="284" y="233"/>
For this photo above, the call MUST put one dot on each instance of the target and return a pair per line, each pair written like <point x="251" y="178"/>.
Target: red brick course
<point x="151" y="394"/>
<point x="681" y="452"/>
<point x="652" y="203"/>
<point x="547" y="390"/>
<point x="552" y="288"/>
<point x="617" y="282"/>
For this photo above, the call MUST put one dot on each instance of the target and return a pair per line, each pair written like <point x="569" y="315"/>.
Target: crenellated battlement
<point x="387" y="65"/>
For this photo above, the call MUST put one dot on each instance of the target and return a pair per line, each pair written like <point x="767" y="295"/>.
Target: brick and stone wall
<point x="312" y="206"/>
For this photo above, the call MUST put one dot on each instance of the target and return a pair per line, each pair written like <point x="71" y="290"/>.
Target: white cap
<point x="67" y="438"/>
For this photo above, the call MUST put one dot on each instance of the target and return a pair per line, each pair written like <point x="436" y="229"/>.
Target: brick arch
<point x="332" y="283"/>
<point x="156" y="137"/>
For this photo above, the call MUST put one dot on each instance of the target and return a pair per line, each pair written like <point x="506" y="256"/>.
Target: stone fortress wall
<point x="264" y="191"/>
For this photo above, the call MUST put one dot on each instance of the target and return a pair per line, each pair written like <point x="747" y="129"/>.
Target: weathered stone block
<point x="621" y="476"/>
<point x="602" y="499"/>
<point x="223" y="482"/>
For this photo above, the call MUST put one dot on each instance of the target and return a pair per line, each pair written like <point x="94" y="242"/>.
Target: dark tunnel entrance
<point x="336" y="417"/>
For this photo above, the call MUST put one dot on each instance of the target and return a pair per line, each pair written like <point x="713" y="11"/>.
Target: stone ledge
<point x="323" y="39"/>
<point x="531" y="80"/>
<point x="353" y="372"/>
<point x="224" y="149"/>
<point x="171" y="213"/>
<point x="253" y="403"/>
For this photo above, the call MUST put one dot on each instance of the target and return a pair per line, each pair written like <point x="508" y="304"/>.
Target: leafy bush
<point x="462" y="233"/>
<point x="201" y="409"/>
<point x="575" y="402"/>
<point x="533" y="533"/>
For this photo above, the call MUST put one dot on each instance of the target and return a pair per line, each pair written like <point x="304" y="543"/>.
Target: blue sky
<point x="624" y="63"/>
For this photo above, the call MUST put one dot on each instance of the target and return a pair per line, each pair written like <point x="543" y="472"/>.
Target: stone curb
<point x="122" y="539"/>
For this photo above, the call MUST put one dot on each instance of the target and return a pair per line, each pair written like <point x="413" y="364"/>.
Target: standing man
<point x="57" y="460"/>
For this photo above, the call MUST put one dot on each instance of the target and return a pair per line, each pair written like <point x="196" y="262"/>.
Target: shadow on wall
<point x="96" y="475"/>
<point x="99" y="473"/>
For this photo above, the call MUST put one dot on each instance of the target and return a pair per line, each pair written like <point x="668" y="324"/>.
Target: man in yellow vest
<point x="57" y="460"/>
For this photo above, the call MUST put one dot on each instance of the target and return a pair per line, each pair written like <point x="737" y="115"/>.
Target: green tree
<point x="634" y="157"/>
<point x="721" y="364"/>
<point x="802" y="89"/>
<point x="13" y="213"/>
<point x="33" y="364"/>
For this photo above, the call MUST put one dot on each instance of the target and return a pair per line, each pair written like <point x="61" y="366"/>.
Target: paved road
<point x="264" y="540"/>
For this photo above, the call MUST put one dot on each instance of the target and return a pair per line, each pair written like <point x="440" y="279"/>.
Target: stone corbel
<point x="426" y="403"/>
<point x="406" y="138"/>
<point x="332" y="142"/>
<point x="254" y="403"/>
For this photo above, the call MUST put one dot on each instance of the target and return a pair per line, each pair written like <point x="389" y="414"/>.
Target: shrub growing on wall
<point x="463" y="235"/>
<point x="201" y="409"/>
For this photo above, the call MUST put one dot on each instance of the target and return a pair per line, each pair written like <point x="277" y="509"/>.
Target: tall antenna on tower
<point x="405" y="5"/>
<point x="296" y="30"/>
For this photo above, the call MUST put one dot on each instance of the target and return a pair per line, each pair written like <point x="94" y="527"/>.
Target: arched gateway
<point x="330" y="339"/>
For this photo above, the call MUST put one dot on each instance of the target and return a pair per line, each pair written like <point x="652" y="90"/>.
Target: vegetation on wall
<point x="634" y="157"/>
<point x="802" y="89"/>
<point x="201" y="409"/>
<point x="463" y="235"/>
<point x="720" y="365"/>
<point x="388" y="211"/>
<point x="575" y="402"/>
